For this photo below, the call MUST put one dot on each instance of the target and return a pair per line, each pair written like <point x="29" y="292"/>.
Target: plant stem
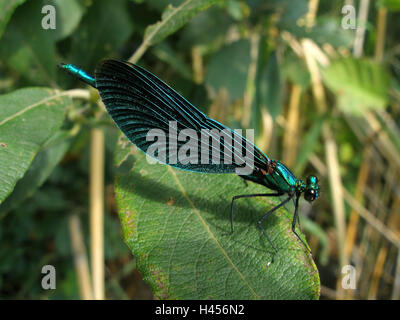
<point x="358" y="47"/>
<point x="97" y="211"/>
<point x="381" y="31"/>
<point x="80" y="258"/>
<point x="78" y="93"/>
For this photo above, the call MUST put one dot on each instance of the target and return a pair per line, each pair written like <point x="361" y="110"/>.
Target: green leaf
<point x="238" y="10"/>
<point x="228" y="68"/>
<point x="43" y="164"/>
<point x="175" y="222"/>
<point x="164" y="52"/>
<point x="6" y="10"/>
<point x="174" y="18"/>
<point x="207" y="29"/>
<point x="391" y="5"/>
<point x="329" y="30"/>
<point x="69" y="13"/>
<point x="294" y="69"/>
<point x="323" y="240"/>
<point x="105" y="28"/>
<point x="292" y="10"/>
<point x="160" y="5"/>
<point x="27" y="48"/>
<point x="258" y="101"/>
<point x="270" y="86"/>
<point x="28" y="118"/>
<point x="309" y="143"/>
<point x="360" y="85"/>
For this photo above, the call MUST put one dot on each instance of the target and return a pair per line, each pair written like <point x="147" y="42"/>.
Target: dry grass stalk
<point x="97" y="211"/>
<point x="80" y="258"/>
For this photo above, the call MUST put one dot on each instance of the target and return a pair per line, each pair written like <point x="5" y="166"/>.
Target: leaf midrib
<point x="162" y="22"/>
<point x="29" y="107"/>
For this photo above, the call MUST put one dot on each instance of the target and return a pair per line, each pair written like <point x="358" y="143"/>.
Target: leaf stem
<point x="78" y="93"/>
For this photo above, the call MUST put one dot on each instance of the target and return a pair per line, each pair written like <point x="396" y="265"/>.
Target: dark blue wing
<point x="138" y="102"/>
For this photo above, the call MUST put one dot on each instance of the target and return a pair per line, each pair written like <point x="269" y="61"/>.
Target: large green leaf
<point x="40" y="169"/>
<point x="28" y="117"/>
<point x="359" y="84"/>
<point x="175" y="222"/>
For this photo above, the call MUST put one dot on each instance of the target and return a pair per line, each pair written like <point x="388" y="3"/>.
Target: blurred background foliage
<point x="321" y="98"/>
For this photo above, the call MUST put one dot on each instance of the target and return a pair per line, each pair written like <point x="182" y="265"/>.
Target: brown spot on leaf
<point x="160" y="281"/>
<point x="130" y="226"/>
<point x="123" y="141"/>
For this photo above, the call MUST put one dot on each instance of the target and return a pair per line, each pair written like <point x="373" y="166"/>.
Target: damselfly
<point x="139" y="102"/>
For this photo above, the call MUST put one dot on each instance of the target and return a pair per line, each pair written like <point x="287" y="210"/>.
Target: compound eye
<point x="312" y="180"/>
<point x="310" y="195"/>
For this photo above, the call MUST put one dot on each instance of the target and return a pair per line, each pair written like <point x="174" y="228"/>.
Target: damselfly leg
<point x="264" y="217"/>
<point x="249" y="196"/>
<point x="296" y="217"/>
<point x="259" y="223"/>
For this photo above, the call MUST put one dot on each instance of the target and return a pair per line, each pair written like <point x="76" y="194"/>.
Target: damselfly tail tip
<point x="61" y="65"/>
<point x="66" y="67"/>
<point x="77" y="73"/>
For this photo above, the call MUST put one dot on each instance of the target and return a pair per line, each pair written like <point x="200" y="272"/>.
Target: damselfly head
<point x="311" y="191"/>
